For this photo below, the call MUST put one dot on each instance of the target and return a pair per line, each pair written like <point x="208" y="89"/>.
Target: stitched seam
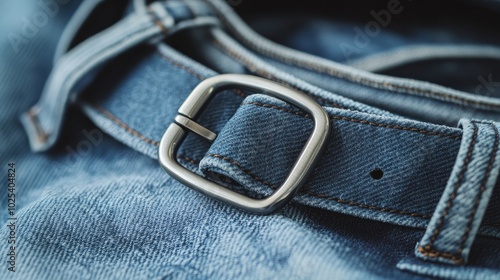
<point x="454" y="192"/>
<point x="40" y="133"/>
<point x="269" y="76"/>
<point x="157" y="21"/>
<point x="364" y="81"/>
<point x="342" y="201"/>
<point x="482" y="189"/>
<point x="405" y="89"/>
<point x="298" y="113"/>
<point x="193" y="161"/>
<point x="421" y="131"/>
<point x="437" y="254"/>
<point x="125" y="126"/>
<point x="188" y="159"/>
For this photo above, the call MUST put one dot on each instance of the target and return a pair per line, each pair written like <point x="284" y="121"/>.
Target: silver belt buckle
<point x="184" y="122"/>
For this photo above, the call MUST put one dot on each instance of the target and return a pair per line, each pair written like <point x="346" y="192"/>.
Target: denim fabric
<point x="97" y="205"/>
<point x="456" y="220"/>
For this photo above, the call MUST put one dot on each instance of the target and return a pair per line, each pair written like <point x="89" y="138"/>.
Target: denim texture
<point x="97" y="205"/>
<point x="456" y="220"/>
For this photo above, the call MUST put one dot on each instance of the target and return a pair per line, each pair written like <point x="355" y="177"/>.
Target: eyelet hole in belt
<point x="377" y="174"/>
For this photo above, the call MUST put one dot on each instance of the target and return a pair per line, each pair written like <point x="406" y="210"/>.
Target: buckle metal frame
<point x="190" y="109"/>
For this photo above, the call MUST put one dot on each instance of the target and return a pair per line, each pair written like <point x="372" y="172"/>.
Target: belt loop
<point x="458" y="215"/>
<point x="73" y="26"/>
<point x="43" y="121"/>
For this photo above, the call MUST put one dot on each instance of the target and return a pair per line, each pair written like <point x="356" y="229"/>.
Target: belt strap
<point x="461" y="209"/>
<point x="375" y="167"/>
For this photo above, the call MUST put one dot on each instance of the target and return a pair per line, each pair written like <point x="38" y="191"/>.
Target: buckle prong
<point x="190" y="109"/>
<point x="195" y="127"/>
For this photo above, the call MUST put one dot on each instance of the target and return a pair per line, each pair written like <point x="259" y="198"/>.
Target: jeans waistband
<point x="377" y="165"/>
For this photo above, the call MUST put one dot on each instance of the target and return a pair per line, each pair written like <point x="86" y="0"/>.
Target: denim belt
<point x="375" y="164"/>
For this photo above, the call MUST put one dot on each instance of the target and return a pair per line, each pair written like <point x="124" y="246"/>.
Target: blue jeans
<point x="406" y="186"/>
